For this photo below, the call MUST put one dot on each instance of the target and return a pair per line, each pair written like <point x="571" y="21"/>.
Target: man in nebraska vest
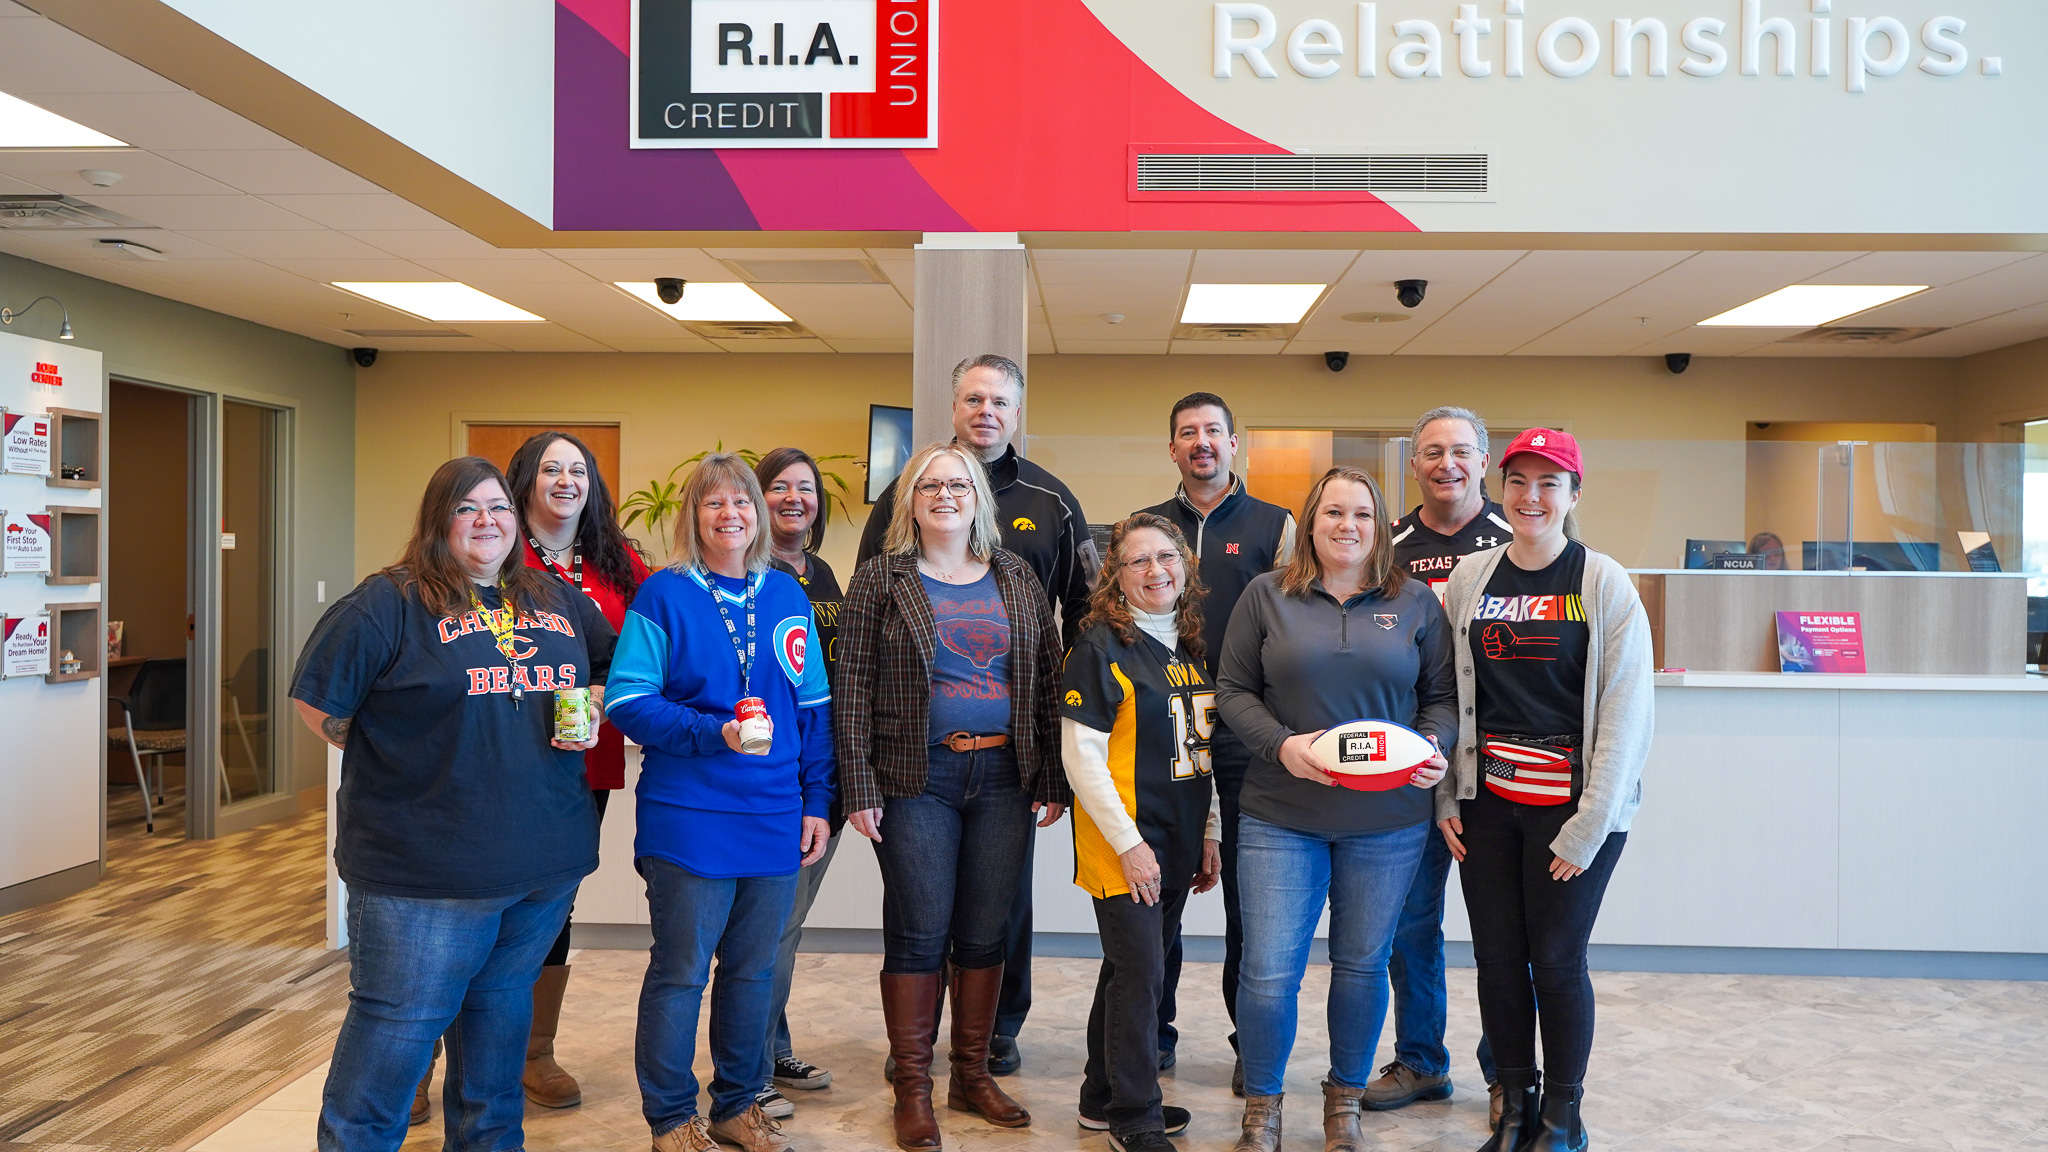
<point x="1235" y="536"/>
<point x="1448" y="458"/>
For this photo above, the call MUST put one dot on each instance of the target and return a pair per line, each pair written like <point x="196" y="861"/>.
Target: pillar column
<point x="971" y="299"/>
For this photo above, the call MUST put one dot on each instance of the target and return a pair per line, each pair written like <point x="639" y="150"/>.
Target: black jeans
<point x="559" y="954"/>
<point x="1229" y="760"/>
<point x="950" y="859"/>
<point x="1121" y="1083"/>
<point x="1529" y="933"/>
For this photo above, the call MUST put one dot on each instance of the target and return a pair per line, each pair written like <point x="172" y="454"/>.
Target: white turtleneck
<point x="1085" y="753"/>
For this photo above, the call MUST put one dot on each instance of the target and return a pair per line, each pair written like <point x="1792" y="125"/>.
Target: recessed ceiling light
<point x="1808" y="305"/>
<point x="710" y="303"/>
<point x="444" y="301"/>
<point x="1249" y="303"/>
<point x="23" y="125"/>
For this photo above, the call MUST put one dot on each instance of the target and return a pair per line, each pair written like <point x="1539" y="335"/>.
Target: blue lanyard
<point x="744" y="652"/>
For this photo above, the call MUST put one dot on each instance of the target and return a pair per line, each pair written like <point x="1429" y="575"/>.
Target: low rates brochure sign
<point x="25" y="651"/>
<point x="26" y="547"/>
<point x="1820" y="641"/>
<point x="25" y="443"/>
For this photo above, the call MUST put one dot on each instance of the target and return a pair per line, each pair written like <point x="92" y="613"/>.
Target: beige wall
<point x="2000" y="387"/>
<point x="1099" y="421"/>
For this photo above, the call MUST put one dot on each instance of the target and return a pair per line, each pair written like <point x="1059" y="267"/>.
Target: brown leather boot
<point x="1342" y="1108"/>
<point x="1261" y="1129"/>
<point x="545" y="1082"/>
<point x="971" y="1088"/>
<point x="910" y="1005"/>
<point x="422" y="1096"/>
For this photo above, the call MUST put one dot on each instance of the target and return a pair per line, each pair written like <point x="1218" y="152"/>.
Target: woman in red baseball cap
<point x="1555" y="715"/>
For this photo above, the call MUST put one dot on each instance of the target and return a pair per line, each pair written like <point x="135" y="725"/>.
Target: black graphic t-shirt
<point x="1430" y="555"/>
<point x="971" y="667"/>
<point x="1159" y="710"/>
<point x="1529" y="639"/>
<point x="447" y="790"/>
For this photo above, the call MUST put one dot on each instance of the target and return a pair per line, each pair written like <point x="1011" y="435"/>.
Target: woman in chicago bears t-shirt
<point x="1554" y="703"/>
<point x="1136" y="720"/>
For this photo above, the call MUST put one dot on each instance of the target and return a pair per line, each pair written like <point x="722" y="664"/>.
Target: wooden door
<point x="497" y="442"/>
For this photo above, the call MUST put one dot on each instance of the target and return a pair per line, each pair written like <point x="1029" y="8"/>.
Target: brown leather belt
<point x="969" y="742"/>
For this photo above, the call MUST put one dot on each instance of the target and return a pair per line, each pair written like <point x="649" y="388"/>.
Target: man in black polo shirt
<point x="1455" y="518"/>
<point x="1235" y="536"/>
<point x="1042" y="523"/>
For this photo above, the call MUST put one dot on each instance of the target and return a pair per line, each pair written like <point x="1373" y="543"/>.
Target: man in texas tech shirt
<point x="1455" y="519"/>
<point x="1235" y="536"/>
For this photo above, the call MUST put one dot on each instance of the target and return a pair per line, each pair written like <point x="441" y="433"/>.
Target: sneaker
<point x="692" y="1135"/>
<point x="774" y="1103"/>
<point x="1399" y="1085"/>
<point x="751" y="1131"/>
<point x="1167" y="1059"/>
<point x="1003" y="1057"/>
<point x="1176" y="1120"/>
<point x="791" y="1072"/>
<point x="1150" y="1140"/>
<point x="1237" y="1078"/>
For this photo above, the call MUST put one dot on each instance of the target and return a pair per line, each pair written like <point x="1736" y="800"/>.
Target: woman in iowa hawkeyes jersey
<point x="1136" y="718"/>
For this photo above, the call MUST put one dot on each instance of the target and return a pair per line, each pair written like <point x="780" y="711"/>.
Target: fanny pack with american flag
<point x="1540" y="770"/>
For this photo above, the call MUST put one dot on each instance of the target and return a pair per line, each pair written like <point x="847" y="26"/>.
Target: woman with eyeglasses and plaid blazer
<point x="948" y="742"/>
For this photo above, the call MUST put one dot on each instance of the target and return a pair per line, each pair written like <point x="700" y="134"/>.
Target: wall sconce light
<point x="7" y="315"/>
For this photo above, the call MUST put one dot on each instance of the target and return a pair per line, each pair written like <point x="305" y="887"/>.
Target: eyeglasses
<point x="1166" y="561"/>
<point x="1460" y="452"/>
<point x="957" y="487"/>
<point x="468" y="511"/>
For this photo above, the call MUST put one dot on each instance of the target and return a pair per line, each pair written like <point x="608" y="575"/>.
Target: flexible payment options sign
<point x="783" y="74"/>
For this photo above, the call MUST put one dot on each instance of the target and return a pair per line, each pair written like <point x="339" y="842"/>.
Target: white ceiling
<point x="256" y="227"/>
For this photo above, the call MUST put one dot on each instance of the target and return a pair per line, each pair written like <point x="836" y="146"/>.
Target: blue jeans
<point x="419" y="969"/>
<point x="809" y="879"/>
<point x="950" y="861"/>
<point x="739" y="921"/>
<point x="1284" y="878"/>
<point x="1416" y="969"/>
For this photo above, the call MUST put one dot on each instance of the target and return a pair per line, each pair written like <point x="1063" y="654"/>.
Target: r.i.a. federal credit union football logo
<point x="784" y="74"/>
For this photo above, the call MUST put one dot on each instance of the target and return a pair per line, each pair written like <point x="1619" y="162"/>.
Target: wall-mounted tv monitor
<point x="888" y="447"/>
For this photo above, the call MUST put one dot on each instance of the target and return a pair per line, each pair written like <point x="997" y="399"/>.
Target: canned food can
<point x="572" y="715"/>
<point x="755" y="732"/>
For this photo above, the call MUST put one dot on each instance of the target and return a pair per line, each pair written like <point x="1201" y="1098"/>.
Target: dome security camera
<point x="1678" y="362"/>
<point x="670" y="288"/>
<point x="1410" y="292"/>
<point x="364" y="357"/>
<point x="1336" y="360"/>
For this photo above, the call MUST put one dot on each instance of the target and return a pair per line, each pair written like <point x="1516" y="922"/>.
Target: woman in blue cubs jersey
<point x="1136" y="717"/>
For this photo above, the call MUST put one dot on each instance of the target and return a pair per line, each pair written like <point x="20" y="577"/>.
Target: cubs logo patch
<point x="1073" y="699"/>
<point x="1023" y="524"/>
<point x="792" y="647"/>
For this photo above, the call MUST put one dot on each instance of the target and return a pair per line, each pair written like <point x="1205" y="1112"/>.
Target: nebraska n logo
<point x="758" y="74"/>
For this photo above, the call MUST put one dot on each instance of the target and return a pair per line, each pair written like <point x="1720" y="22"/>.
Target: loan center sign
<point x="784" y="74"/>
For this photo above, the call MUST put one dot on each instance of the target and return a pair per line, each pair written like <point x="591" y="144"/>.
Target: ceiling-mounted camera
<point x="1677" y="362"/>
<point x="364" y="357"/>
<point x="1410" y="292"/>
<point x="1336" y="360"/>
<point x="670" y="288"/>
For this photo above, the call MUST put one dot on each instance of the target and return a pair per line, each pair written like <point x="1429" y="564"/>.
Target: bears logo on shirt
<point x="792" y="645"/>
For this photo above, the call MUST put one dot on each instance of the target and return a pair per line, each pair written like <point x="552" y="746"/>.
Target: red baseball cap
<point x="1557" y="447"/>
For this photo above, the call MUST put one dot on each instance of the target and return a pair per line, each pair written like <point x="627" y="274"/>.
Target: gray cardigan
<point x="1620" y="702"/>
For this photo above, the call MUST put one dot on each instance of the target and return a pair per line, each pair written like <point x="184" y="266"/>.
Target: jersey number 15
<point x="1194" y="721"/>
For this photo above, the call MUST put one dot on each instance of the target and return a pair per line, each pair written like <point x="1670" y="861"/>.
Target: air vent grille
<point x="1859" y="334"/>
<point x="56" y="212"/>
<point x="1235" y="333"/>
<point x="1466" y="173"/>
<point x="749" y="330"/>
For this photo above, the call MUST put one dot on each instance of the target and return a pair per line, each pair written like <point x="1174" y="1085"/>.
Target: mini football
<point x="1372" y="755"/>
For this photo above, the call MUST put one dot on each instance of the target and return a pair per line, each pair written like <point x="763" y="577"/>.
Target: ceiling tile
<point x="1085" y="266"/>
<point x="1932" y="268"/>
<point x="280" y="171"/>
<point x="2016" y="285"/>
<point x="533" y="337"/>
<point x="1227" y="347"/>
<point x="434" y="244"/>
<point x="1368" y="287"/>
<point x="204" y="212"/>
<point x="1113" y="347"/>
<point x="494" y="274"/>
<point x="855" y="311"/>
<point x="297" y="244"/>
<point x="1537" y="293"/>
<point x="2014" y="327"/>
<point x="1284" y="266"/>
<point x="757" y="346"/>
<point x="663" y="344"/>
<point x="857" y="345"/>
<point x="327" y="270"/>
<point x="142" y="173"/>
<point x="40" y="56"/>
<point x="162" y="121"/>
<point x="1668" y="306"/>
<point x="643" y="264"/>
<point x="1088" y="324"/>
<point x="375" y="210"/>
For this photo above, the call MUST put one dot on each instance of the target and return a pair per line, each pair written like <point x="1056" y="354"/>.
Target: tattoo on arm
<point x="335" y="730"/>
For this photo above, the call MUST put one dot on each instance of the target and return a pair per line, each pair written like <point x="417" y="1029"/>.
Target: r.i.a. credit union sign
<point x="784" y="74"/>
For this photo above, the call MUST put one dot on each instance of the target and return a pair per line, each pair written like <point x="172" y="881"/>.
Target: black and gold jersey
<point x="1159" y="709"/>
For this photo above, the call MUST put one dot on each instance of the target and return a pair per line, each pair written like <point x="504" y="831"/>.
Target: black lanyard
<point x="744" y="652"/>
<point x="575" y="573"/>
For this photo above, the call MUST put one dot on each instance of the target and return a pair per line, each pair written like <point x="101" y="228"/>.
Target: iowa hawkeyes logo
<point x="1023" y="524"/>
<point x="1073" y="699"/>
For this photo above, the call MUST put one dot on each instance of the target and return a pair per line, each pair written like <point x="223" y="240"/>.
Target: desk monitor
<point x="1701" y="553"/>
<point x="888" y="447"/>
<point x="1872" y="556"/>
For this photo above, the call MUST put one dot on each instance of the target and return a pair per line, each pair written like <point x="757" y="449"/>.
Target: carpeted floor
<point x="193" y="975"/>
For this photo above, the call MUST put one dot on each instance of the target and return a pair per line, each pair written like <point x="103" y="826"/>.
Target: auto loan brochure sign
<point x="24" y="646"/>
<point x="25" y="548"/>
<point x="783" y="74"/>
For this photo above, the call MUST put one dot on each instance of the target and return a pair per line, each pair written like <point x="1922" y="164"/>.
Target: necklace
<point x="946" y="577"/>
<point x="568" y="562"/>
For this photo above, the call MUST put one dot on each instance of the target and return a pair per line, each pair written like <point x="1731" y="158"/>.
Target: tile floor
<point x="1684" y="1062"/>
